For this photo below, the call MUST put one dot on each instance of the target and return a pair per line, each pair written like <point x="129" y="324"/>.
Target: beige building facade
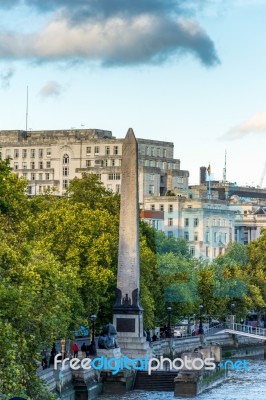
<point x="50" y="159"/>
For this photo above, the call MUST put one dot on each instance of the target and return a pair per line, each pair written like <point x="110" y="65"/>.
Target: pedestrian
<point x="83" y="349"/>
<point x="75" y="350"/>
<point x="52" y="355"/>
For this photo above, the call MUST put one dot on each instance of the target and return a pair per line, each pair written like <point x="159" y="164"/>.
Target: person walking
<point x="75" y="350"/>
<point x="83" y="349"/>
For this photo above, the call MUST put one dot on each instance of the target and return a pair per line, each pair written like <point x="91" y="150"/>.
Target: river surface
<point x="240" y="385"/>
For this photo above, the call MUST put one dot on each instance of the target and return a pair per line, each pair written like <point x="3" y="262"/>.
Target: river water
<point x="240" y="385"/>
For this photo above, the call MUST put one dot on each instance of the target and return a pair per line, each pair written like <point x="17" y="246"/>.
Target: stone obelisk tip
<point x="130" y="136"/>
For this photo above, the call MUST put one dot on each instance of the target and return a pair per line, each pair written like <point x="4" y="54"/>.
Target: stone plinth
<point x="135" y="347"/>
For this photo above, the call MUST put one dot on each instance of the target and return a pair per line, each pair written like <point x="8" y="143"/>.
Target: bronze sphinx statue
<point x="107" y="338"/>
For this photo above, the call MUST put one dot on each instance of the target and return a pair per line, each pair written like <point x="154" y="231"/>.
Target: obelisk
<point x="128" y="317"/>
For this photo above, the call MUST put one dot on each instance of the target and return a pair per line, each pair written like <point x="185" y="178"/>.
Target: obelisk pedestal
<point x="127" y="311"/>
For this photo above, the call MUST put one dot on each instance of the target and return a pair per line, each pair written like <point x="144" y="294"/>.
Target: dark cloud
<point x="112" y="32"/>
<point x="5" y="77"/>
<point x="107" y="8"/>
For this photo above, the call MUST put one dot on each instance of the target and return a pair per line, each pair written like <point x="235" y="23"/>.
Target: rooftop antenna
<point x="224" y="170"/>
<point x="27" y="108"/>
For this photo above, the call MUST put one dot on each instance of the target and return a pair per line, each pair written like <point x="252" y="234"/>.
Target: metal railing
<point x="246" y="328"/>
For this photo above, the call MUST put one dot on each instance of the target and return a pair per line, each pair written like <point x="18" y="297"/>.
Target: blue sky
<point x="191" y="72"/>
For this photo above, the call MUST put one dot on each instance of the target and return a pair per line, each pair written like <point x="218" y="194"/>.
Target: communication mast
<point x="263" y="175"/>
<point x="224" y="169"/>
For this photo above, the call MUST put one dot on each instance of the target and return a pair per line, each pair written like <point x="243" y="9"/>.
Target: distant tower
<point x="203" y="175"/>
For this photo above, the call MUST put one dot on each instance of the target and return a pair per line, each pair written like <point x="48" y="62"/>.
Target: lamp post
<point x="93" y="317"/>
<point x="232" y="317"/>
<point x="201" y="332"/>
<point x="169" y="311"/>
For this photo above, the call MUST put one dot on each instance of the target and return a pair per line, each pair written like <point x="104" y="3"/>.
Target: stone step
<point x="158" y="381"/>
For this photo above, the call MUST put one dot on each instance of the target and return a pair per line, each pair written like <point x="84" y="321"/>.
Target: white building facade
<point x="208" y="227"/>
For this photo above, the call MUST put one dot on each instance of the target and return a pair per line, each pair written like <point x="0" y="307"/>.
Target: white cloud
<point x="50" y="89"/>
<point x="254" y="125"/>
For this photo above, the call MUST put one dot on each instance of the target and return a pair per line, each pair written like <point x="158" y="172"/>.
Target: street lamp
<point x="169" y="311"/>
<point x="232" y="317"/>
<point x="93" y="347"/>
<point x="201" y="332"/>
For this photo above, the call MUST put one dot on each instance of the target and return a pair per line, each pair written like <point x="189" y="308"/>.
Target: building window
<point x="225" y="237"/>
<point x="32" y="165"/>
<point x="25" y="175"/>
<point x="186" y="235"/>
<point x="207" y="236"/>
<point x="88" y="151"/>
<point x="152" y="151"/>
<point x="29" y="190"/>
<point x="196" y="236"/>
<point x="161" y="207"/>
<point x="88" y="163"/>
<point x="110" y="187"/>
<point x="158" y="152"/>
<point x="24" y="153"/>
<point x="65" y="184"/>
<point x="40" y="177"/>
<point x="40" y="153"/>
<point x="115" y="150"/>
<point x="207" y="251"/>
<point x="47" y="176"/>
<point x="40" y="165"/>
<point x="65" y="159"/>
<point x="32" y="153"/>
<point x="107" y="150"/>
<point x="151" y="189"/>
<point x="152" y="177"/>
<point x="113" y="162"/>
<point x="104" y="163"/>
<point x="96" y="150"/>
<point x="40" y="189"/>
<point x="48" y="152"/>
<point x="186" y="221"/>
<point x="112" y="177"/>
<point x="16" y="153"/>
<point x="48" y="164"/>
<point x="164" y="152"/>
<point x="170" y="208"/>
<point x="220" y="251"/>
<point x="214" y="252"/>
<point x="24" y="165"/>
<point x="170" y="221"/>
<point x="146" y="151"/>
<point x="117" y="188"/>
<point x="196" y="221"/>
<point x="33" y="176"/>
<point x="152" y="207"/>
<point x="215" y="237"/>
<point x="15" y="165"/>
<point x="192" y="251"/>
<point x="207" y="222"/>
<point x="65" y="171"/>
<point x="170" y="234"/>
